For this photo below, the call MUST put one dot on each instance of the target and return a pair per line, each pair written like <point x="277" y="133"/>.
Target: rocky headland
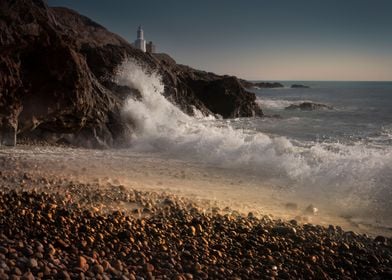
<point x="56" y="70"/>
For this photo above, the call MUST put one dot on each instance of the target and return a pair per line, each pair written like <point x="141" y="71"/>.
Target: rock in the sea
<point x="299" y="86"/>
<point x="308" y="106"/>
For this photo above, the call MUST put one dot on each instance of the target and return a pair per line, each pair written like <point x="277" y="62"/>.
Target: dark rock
<point x="380" y="239"/>
<point x="3" y="250"/>
<point x="225" y="97"/>
<point x="308" y="106"/>
<point x="118" y="265"/>
<point x="387" y="274"/>
<point x="148" y="267"/>
<point x="64" y="275"/>
<point x="33" y="263"/>
<point x="28" y="276"/>
<point x="299" y="86"/>
<point x="56" y="68"/>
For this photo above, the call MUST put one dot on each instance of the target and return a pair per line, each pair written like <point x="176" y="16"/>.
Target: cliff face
<point x="55" y="69"/>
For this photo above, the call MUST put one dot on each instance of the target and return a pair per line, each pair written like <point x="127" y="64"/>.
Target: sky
<point x="258" y="39"/>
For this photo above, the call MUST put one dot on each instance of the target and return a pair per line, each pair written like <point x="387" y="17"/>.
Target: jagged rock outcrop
<point x="55" y="78"/>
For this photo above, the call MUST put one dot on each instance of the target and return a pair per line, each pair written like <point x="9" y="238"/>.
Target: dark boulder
<point x="225" y="97"/>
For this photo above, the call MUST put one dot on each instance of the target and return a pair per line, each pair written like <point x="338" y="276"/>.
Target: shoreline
<point x="71" y="230"/>
<point x="227" y="188"/>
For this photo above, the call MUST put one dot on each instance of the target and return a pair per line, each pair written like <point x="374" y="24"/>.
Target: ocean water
<point x="339" y="159"/>
<point x="362" y="112"/>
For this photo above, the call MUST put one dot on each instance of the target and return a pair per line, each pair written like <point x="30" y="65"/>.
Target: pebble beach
<point x="52" y="227"/>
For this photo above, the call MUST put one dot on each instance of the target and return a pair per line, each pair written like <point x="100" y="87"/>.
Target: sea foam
<point x="353" y="176"/>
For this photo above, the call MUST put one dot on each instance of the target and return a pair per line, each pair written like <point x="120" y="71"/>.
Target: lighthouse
<point x="140" y="43"/>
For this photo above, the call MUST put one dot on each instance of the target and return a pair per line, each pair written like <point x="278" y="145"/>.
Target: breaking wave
<point x="277" y="104"/>
<point x="355" y="176"/>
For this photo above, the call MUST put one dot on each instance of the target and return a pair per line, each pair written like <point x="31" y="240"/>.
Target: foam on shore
<point x="351" y="177"/>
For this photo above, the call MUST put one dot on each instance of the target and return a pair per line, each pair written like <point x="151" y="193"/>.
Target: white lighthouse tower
<point x="140" y="43"/>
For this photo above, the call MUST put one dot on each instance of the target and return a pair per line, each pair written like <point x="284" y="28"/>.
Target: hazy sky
<point x="259" y="39"/>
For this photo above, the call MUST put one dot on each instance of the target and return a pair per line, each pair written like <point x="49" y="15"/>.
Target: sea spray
<point x="161" y="126"/>
<point x="353" y="177"/>
<point x="153" y="114"/>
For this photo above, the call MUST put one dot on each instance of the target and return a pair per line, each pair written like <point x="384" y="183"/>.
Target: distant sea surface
<point x="362" y="112"/>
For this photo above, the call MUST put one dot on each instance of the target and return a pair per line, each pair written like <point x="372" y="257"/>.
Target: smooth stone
<point x="98" y="269"/>
<point x="28" y="276"/>
<point x="3" y="250"/>
<point x="33" y="263"/>
<point x="380" y="239"/>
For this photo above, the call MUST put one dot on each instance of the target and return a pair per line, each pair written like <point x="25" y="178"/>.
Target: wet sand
<point x="231" y="189"/>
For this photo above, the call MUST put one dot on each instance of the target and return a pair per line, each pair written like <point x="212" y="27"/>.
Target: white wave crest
<point x="278" y="104"/>
<point x="342" y="171"/>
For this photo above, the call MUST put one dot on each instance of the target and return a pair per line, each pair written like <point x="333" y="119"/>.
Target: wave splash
<point x="278" y="104"/>
<point x="353" y="176"/>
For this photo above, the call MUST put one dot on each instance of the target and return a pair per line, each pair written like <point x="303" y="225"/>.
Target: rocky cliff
<point x="55" y="69"/>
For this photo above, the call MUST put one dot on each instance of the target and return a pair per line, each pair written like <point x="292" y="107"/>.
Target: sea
<point x="338" y="158"/>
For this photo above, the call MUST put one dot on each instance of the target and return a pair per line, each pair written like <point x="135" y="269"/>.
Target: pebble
<point x="185" y="242"/>
<point x="28" y="276"/>
<point x="118" y="265"/>
<point x="3" y="250"/>
<point x="98" y="269"/>
<point x="33" y="263"/>
<point x="311" y="210"/>
<point x="149" y="267"/>
<point x="82" y="263"/>
<point x="380" y="239"/>
<point x="64" y="275"/>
